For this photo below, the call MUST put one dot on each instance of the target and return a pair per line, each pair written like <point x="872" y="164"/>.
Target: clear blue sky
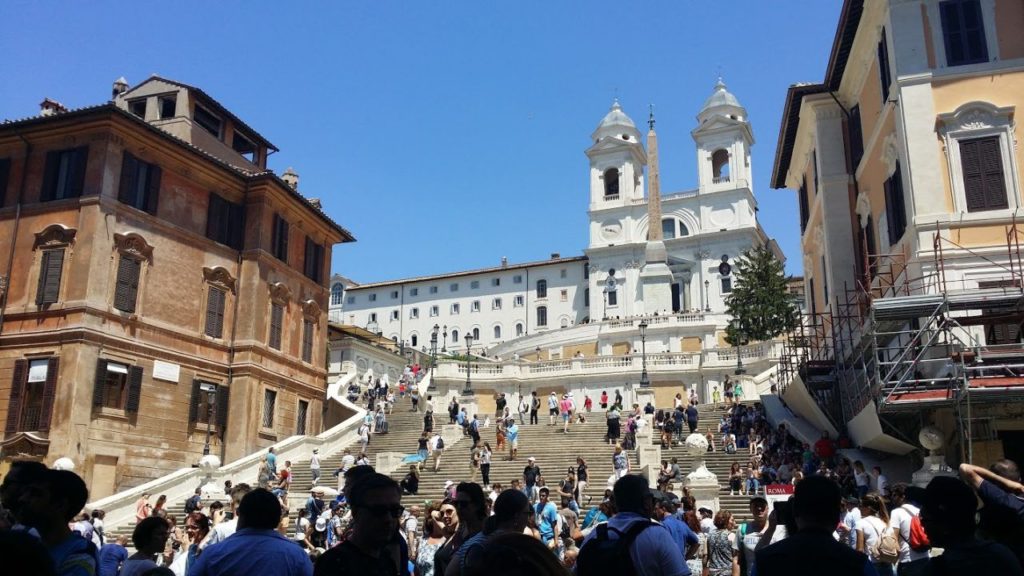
<point x="444" y="135"/>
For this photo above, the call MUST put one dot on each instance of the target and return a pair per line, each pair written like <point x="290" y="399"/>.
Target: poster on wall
<point x="166" y="371"/>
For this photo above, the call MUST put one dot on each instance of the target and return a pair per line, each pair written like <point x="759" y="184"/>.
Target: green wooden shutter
<point x="991" y="161"/>
<point x="100" y="385"/>
<point x="307" y="341"/>
<point x="974" y="181"/>
<point x="49" y="191"/>
<point x="153" y="188"/>
<point x="223" y="397"/>
<point x="48" y="289"/>
<point x="276" y="319"/>
<point x="127" y="284"/>
<point x="193" y="403"/>
<point x="76" y="175"/>
<point x="49" y="393"/>
<point x="215" y="313"/>
<point x="17" y="394"/>
<point x="128" y="185"/>
<point x="134" y="389"/>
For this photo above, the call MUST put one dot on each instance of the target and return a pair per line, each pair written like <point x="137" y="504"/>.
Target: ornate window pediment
<point x="863" y="208"/>
<point x="53" y="236"/>
<point x="134" y="245"/>
<point x="219" y="276"/>
<point x="280" y="293"/>
<point x="311" y="310"/>
<point x="974" y="116"/>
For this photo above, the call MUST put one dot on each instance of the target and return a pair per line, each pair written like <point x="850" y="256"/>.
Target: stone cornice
<point x="54" y="236"/>
<point x="280" y="293"/>
<point x="219" y="276"/>
<point x="134" y="245"/>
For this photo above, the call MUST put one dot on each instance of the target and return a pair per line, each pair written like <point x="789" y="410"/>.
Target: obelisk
<point x="655" y="277"/>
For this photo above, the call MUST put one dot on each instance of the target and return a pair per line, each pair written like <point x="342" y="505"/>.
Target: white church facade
<point x="669" y="257"/>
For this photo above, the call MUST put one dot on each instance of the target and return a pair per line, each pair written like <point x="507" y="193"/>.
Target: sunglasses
<point x="385" y="510"/>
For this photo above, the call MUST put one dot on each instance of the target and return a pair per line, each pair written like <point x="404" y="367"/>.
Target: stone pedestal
<point x="451" y="433"/>
<point x="930" y="438"/>
<point x="649" y="462"/>
<point x="645" y="435"/>
<point x="388" y="462"/>
<point x="211" y="488"/>
<point x="703" y="483"/>
<point x="656" y="279"/>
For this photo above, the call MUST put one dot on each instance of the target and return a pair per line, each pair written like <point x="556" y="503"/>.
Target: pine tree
<point x="759" y="303"/>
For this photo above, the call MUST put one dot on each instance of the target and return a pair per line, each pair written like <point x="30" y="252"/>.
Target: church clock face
<point x="611" y="230"/>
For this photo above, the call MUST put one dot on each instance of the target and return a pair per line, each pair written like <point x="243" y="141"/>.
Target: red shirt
<point x="824" y="448"/>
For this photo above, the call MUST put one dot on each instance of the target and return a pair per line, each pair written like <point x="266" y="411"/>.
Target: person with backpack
<point x="194" y="502"/>
<point x="534" y="407"/>
<point x="874" y="537"/>
<point x="436" y="446"/>
<point x="905" y="522"/>
<point x="651" y="549"/>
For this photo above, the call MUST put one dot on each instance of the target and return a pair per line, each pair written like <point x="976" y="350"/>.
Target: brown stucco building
<point x="156" y="277"/>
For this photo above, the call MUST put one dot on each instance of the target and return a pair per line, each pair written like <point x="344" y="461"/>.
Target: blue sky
<point x="444" y="135"/>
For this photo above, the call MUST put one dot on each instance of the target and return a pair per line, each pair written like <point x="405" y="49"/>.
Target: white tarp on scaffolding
<point x="866" y="432"/>
<point x="800" y="401"/>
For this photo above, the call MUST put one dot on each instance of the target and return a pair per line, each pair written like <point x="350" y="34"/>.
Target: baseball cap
<point x="532" y="459"/>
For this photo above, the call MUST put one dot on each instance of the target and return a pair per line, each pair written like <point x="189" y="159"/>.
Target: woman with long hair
<point x="433" y="539"/>
<point x="874" y="519"/>
<point x="581" y="478"/>
<point x="263" y="474"/>
<point x="735" y="479"/>
<point x="160" y="503"/>
<point x="197" y="529"/>
<point x="695" y="558"/>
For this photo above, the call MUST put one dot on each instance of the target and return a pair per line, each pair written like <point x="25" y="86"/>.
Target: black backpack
<point x="601" y="555"/>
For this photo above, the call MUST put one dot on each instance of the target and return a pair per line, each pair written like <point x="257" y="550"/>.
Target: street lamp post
<point x="433" y="357"/>
<point x="444" y="343"/>
<point x="644" y="381"/>
<point x="468" y="391"/>
<point x="707" y="300"/>
<point x="737" y="340"/>
<point x="211" y="401"/>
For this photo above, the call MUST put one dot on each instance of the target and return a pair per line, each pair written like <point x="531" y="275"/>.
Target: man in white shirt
<point x="224" y="529"/>
<point x="880" y="481"/>
<point x="848" y="529"/>
<point x="314" y="466"/>
<point x="436" y="450"/>
<point x="347" y="461"/>
<point x="903" y="511"/>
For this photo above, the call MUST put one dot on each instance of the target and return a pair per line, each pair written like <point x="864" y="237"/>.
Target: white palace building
<point x="539" y="325"/>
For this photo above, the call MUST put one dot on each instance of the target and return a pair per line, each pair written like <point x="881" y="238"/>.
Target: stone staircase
<point x="554" y="451"/>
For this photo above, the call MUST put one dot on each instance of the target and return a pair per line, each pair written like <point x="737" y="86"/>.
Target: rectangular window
<point x="138" y="107"/>
<point x="542" y="316"/>
<point x="814" y="166"/>
<point x="140" y="183"/>
<point x="586" y="296"/>
<point x="276" y="324"/>
<point x="455" y="308"/>
<point x="414" y="313"/>
<point x="373" y="316"/>
<point x="613" y="298"/>
<point x="207" y="121"/>
<point x="394" y="294"/>
<point x="373" y="297"/>
<point x="350" y="300"/>
<point x="111" y="384"/>
<point x="963" y="32"/>
<point x="434" y="310"/>
<point x="209" y="400"/>
<point x="301" y="414"/>
<point x="454" y="287"/>
<point x="245" y="148"/>
<point x="586" y="271"/>
<point x="279" y="238"/>
<point x="225" y="222"/>
<point x="167" y="104"/>
<point x="269" y="403"/>
<point x="563" y="273"/>
<point x="5" y="175"/>
<point x="884" y="75"/>
<point x="496" y="304"/>
<point x="517" y="302"/>
<point x="215" y="312"/>
<point x="475" y="306"/>
<point x="64" y="175"/>
<point x="856" y="135"/>
<point x="517" y="279"/>
<point x="804" y="208"/>
<point x="414" y="291"/>
<point x="433" y="289"/>
<point x="394" y="315"/>
<point x="495" y="281"/>
<point x="726" y="285"/>
<point x="126" y="286"/>
<point x="307" y="341"/>
<point x="894" y="206"/>
<point x="981" y="162"/>
<point x="50" y="269"/>
<point x="564" y="295"/>
<point x="33" y="390"/>
<point x="474" y="284"/>
<point x="313" y="264"/>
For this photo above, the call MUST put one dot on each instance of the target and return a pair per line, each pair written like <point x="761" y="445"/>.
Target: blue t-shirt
<point x="682" y="535"/>
<point x="272" y="461"/>
<point x="547" y="519"/>
<point x="512" y="433"/>
<point x="111" y="557"/>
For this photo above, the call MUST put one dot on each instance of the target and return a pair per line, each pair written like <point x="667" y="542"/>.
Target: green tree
<point x="760" y="304"/>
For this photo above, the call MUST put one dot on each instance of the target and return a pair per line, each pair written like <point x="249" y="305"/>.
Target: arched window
<point x="476" y="334"/>
<point x="720" y="165"/>
<point x="611" y="182"/>
<point x="497" y="332"/>
<point x="455" y="336"/>
<point x="668" y="228"/>
<point x="683" y="230"/>
<point x="542" y="288"/>
<point x="413" y="340"/>
<point x="337" y="293"/>
<point x="542" y="315"/>
<point x="519" y="329"/>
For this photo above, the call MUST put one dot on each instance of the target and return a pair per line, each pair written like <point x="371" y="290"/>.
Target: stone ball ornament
<point x="64" y="463"/>
<point x="209" y="463"/>
<point x="696" y="445"/>
<point x="930" y="438"/>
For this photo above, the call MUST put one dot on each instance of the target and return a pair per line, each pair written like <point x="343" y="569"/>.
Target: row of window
<point x="541" y="288"/>
<point x="275" y="334"/>
<point x="118" y="386"/>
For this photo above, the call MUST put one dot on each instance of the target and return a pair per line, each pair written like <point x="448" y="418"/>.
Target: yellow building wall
<point x="588" y="349"/>
<point x="690" y="344"/>
<point x="621" y="348"/>
<point x="665" y="391"/>
<point x="870" y="100"/>
<point x="1009" y="23"/>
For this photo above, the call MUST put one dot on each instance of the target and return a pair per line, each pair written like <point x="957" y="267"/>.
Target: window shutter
<point x="307" y="259"/>
<point x="276" y="318"/>
<point x="101" y="383"/>
<point x="193" y="403"/>
<point x="153" y="188"/>
<point x="307" y="341"/>
<point x="17" y="391"/>
<point x="236" y="225"/>
<point x="883" y="67"/>
<point x="283" y="241"/>
<point x="856" y="132"/>
<point x="129" y="173"/>
<point x="134" y="389"/>
<point x="5" y="175"/>
<point x="49" y="191"/>
<point x="49" y="394"/>
<point x="974" y="183"/>
<point x="223" y="396"/>
<point x="992" y="173"/>
<point x="127" y="285"/>
<point x="50" y="269"/>
<point x="215" y="313"/>
<point x="76" y="177"/>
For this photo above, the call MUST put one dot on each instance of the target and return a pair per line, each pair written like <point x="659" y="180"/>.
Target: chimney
<point x="49" y="107"/>
<point x="120" y="87"/>
<point x="316" y="203"/>
<point x="555" y="255"/>
<point x="504" y="261"/>
<point x="291" y="178"/>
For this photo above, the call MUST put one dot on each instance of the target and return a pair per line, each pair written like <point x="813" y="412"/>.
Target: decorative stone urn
<point x="64" y="463"/>
<point x="211" y="489"/>
<point x="930" y="438"/>
<point x="703" y="483"/>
